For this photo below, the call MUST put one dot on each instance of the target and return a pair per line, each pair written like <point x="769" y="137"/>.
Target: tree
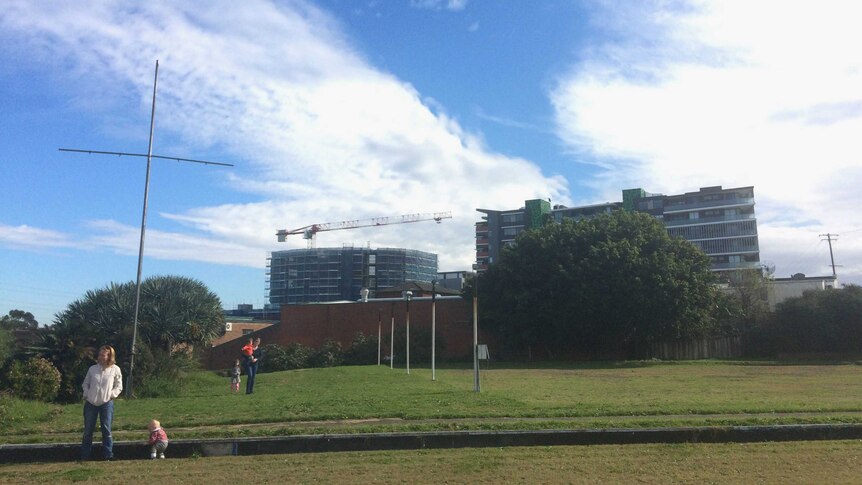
<point x="608" y="284"/>
<point x="7" y="345"/>
<point x="819" y="321"/>
<point x="743" y="304"/>
<point x="18" y="319"/>
<point x="175" y="313"/>
<point x="179" y="310"/>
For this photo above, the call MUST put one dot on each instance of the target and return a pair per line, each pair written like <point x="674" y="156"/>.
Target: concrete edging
<point x="132" y="450"/>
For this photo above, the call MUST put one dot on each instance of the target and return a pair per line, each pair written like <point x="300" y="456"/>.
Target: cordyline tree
<point x="596" y="287"/>
<point x="176" y="313"/>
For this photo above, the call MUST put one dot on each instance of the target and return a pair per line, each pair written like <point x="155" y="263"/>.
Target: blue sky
<point x="336" y="110"/>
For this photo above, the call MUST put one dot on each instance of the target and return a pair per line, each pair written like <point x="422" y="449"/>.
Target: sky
<point x="336" y="110"/>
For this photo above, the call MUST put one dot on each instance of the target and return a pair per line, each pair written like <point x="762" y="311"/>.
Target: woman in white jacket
<point x="103" y="383"/>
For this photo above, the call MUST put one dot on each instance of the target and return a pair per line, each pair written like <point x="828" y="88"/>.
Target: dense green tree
<point x="18" y="319"/>
<point x="821" y="321"/>
<point x="179" y="310"/>
<point x="612" y="283"/>
<point x="176" y="313"/>
<point x="7" y="344"/>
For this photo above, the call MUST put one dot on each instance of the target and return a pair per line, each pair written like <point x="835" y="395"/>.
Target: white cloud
<point x="25" y="236"/>
<point x="124" y="239"/>
<point x="327" y="137"/>
<point x="453" y="5"/>
<point x="733" y="93"/>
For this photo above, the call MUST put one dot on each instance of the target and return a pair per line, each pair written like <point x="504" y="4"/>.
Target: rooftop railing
<point x="735" y="202"/>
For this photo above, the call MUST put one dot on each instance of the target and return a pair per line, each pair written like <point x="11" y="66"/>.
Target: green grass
<point x="594" y="395"/>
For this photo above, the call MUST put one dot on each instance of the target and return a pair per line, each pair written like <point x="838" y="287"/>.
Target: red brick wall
<point x="237" y="329"/>
<point x="311" y="325"/>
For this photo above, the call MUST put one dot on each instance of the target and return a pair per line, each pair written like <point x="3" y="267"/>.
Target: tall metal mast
<point x="150" y="156"/>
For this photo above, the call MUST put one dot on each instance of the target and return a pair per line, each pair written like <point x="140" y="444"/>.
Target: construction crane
<point x="309" y="232"/>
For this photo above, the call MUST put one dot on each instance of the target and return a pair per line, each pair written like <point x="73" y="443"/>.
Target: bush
<point x="168" y="375"/>
<point x="362" y="351"/>
<point x="818" y="322"/>
<point x="277" y="358"/>
<point x="328" y="355"/>
<point x="35" y="379"/>
<point x="420" y="345"/>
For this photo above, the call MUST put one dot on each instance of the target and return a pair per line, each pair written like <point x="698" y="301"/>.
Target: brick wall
<point x="238" y="329"/>
<point x="311" y="325"/>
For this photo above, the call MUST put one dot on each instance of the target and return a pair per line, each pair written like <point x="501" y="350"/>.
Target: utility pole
<point x="149" y="155"/>
<point x="829" y="237"/>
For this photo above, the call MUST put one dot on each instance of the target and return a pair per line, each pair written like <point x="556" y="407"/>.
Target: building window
<point x="516" y="218"/>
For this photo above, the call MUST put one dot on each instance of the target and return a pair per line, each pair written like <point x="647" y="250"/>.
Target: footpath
<point x="334" y="442"/>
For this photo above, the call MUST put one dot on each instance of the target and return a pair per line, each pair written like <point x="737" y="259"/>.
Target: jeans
<point x="105" y="413"/>
<point x="251" y="370"/>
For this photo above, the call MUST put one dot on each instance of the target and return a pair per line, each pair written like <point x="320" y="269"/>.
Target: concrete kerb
<point x="135" y="450"/>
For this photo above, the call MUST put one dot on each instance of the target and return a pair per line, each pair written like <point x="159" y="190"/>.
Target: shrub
<point x="277" y="358"/>
<point x="168" y="375"/>
<point x="274" y="358"/>
<point x="328" y="355"/>
<point x="35" y="379"/>
<point x="362" y="351"/>
<point x="420" y="345"/>
<point x="818" y="322"/>
<point x="296" y="356"/>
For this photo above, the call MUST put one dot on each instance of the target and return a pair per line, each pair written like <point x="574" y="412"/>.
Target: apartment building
<point x="339" y="274"/>
<point x="720" y="221"/>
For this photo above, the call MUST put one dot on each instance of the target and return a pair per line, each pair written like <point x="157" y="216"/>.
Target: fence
<point x="707" y="348"/>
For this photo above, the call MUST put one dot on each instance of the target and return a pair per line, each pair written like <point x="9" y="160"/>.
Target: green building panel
<point x="630" y="198"/>
<point x="537" y="211"/>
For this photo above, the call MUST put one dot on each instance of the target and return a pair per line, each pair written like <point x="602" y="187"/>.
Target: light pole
<point x="392" y="339"/>
<point x="433" y="329"/>
<point x="476" y="386"/>
<point x="379" y="329"/>
<point x="407" y="296"/>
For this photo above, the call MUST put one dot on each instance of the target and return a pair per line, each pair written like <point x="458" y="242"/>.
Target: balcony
<point x="735" y="202"/>
<point x="481" y="241"/>
<point x="733" y="266"/>
<point x="708" y="220"/>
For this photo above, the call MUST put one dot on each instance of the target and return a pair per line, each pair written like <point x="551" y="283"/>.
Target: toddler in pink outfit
<point x="158" y="439"/>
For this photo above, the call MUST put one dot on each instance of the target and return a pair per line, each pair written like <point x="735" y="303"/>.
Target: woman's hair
<point x="112" y="354"/>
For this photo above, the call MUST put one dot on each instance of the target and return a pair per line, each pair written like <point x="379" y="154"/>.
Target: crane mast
<point x="309" y="232"/>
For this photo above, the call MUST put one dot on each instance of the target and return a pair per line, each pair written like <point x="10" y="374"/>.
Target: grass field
<point x="372" y="398"/>
<point x="780" y="463"/>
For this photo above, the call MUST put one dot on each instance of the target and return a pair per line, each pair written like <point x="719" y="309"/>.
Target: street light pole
<point x="433" y="329"/>
<point x="476" y="386"/>
<point x="407" y="295"/>
<point x="379" y="334"/>
<point x="392" y="339"/>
